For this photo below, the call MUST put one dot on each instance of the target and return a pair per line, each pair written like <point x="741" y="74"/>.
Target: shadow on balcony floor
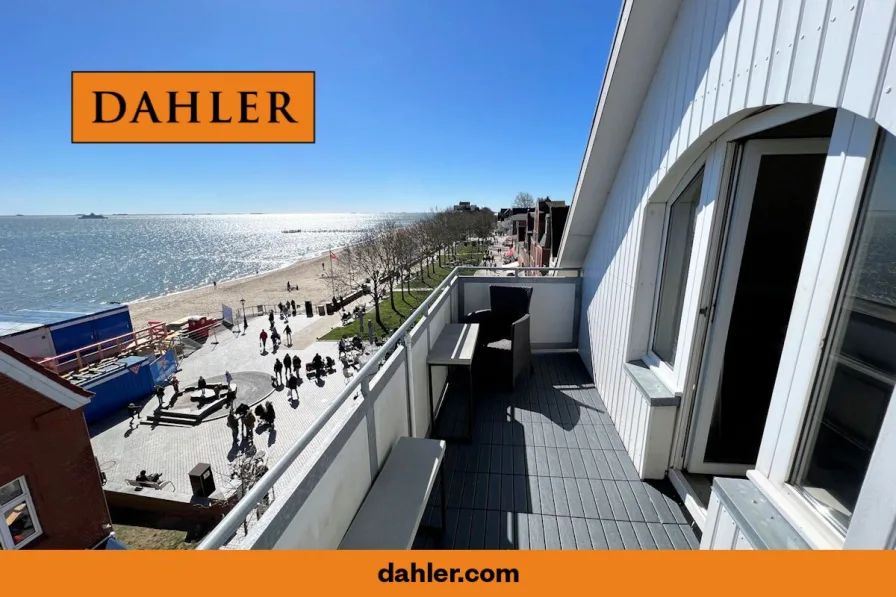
<point x="546" y="469"/>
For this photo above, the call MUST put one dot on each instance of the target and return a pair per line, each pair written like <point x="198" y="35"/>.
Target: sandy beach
<point x="264" y="289"/>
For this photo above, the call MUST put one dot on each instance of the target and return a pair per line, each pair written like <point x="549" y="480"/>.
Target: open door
<point x="761" y="248"/>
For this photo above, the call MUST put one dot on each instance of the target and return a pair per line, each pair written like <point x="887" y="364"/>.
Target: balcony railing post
<point x="409" y="381"/>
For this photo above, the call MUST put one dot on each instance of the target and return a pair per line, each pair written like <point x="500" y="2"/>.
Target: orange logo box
<point x="192" y="107"/>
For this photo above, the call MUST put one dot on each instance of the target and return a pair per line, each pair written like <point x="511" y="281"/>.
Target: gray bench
<point x="391" y="513"/>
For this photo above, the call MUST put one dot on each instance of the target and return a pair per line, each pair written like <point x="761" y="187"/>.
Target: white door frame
<point x="710" y="379"/>
<point x="726" y="152"/>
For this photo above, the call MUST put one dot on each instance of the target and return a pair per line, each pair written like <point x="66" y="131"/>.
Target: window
<point x="857" y="373"/>
<point x="676" y="259"/>
<point x="19" y="520"/>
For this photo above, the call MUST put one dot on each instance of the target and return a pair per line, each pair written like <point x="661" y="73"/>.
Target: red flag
<point x="332" y="256"/>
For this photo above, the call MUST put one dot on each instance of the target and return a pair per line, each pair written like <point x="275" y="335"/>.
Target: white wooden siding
<point x="724" y="58"/>
<point x="721" y="531"/>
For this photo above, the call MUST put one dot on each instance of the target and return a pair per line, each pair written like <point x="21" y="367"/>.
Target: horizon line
<point x="210" y="213"/>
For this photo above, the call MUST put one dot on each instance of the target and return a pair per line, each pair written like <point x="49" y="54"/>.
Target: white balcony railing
<point x="317" y="507"/>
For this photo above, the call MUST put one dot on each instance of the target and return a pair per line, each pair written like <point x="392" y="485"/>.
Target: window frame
<point x="851" y="155"/>
<point x="672" y="375"/>
<point x="836" y="329"/>
<point x="6" y="540"/>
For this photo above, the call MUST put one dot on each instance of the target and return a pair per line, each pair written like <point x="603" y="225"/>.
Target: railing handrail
<point x="234" y="519"/>
<point x="149" y="330"/>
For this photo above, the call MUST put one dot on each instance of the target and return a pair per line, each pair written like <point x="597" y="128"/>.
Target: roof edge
<point x="638" y="45"/>
<point x="23" y="370"/>
<point x="615" y="48"/>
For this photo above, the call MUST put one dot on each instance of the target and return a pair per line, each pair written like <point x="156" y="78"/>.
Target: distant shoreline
<point x="224" y="281"/>
<point x="264" y="288"/>
<point x="222" y="213"/>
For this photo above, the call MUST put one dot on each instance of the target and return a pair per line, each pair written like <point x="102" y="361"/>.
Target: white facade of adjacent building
<point x="735" y="220"/>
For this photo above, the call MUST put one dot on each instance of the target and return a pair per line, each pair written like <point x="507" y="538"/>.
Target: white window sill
<point x="817" y="533"/>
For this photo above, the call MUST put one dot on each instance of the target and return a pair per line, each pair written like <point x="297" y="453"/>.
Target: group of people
<point x="142" y="477"/>
<point x="160" y="391"/>
<point x="285" y="309"/>
<point x="354" y="344"/>
<point x="275" y="338"/>
<point x="243" y="419"/>
<point x="321" y="364"/>
<point x="287" y="372"/>
<point x="287" y="366"/>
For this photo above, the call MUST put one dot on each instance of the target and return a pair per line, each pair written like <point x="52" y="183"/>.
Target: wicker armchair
<point x="504" y="340"/>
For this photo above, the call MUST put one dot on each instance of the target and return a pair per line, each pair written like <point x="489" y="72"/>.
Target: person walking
<point x="176" y="385"/>
<point x="293" y="387"/>
<point x="269" y="412"/>
<point x="287" y="365"/>
<point x="249" y="426"/>
<point x="134" y="412"/>
<point x="271" y="318"/>
<point x="263" y="336"/>
<point x="288" y="331"/>
<point x="228" y="378"/>
<point x="234" y="426"/>
<point x="160" y="394"/>
<point x="278" y="370"/>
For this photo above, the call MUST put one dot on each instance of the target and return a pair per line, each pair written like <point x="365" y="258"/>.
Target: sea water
<point x="57" y="259"/>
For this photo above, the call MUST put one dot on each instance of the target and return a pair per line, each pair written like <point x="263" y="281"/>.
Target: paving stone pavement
<point x="173" y="451"/>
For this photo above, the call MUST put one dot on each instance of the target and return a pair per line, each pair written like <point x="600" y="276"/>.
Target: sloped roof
<point x="20" y="368"/>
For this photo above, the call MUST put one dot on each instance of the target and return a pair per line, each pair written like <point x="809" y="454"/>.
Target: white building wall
<point x="723" y="60"/>
<point x="35" y="344"/>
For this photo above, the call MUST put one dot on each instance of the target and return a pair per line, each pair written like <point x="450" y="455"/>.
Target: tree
<point x="483" y="225"/>
<point x="372" y="260"/>
<point x="406" y="253"/>
<point x="345" y="270"/>
<point x="432" y="234"/>
<point x="523" y="199"/>
<point x="246" y="470"/>
<point x="388" y="246"/>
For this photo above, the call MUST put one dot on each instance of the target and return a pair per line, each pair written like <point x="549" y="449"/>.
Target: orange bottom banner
<point x="544" y="573"/>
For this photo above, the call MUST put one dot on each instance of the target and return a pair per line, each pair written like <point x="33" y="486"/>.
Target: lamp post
<point x="245" y="322"/>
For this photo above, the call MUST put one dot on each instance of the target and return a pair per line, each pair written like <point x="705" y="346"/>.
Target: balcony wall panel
<point x="554" y="309"/>
<point x="328" y="510"/>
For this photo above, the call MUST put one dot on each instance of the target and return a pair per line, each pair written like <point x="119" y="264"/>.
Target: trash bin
<point x="322" y="309"/>
<point x="309" y="309"/>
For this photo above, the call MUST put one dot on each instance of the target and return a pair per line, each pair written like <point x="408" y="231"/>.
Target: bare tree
<point x="406" y="253"/>
<point x="246" y="469"/>
<point x="373" y="263"/>
<point x="424" y="243"/>
<point x="390" y="255"/>
<point x="432" y="236"/>
<point x="523" y="199"/>
<point x="346" y="270"/>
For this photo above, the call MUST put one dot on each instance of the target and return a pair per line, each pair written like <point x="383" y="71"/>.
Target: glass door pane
<point x="858" y="370"/>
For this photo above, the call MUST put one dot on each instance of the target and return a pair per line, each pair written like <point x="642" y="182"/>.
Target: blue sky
<point x="419" y="103"/>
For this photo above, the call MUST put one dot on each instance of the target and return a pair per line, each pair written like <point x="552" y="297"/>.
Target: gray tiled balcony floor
<point x="546" y="469"/>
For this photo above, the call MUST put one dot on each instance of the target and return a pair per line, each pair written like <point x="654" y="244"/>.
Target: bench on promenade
<point x="390" y="514"/>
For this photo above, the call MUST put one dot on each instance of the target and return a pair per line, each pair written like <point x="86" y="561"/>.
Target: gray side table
<point x="455" y="347"/>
